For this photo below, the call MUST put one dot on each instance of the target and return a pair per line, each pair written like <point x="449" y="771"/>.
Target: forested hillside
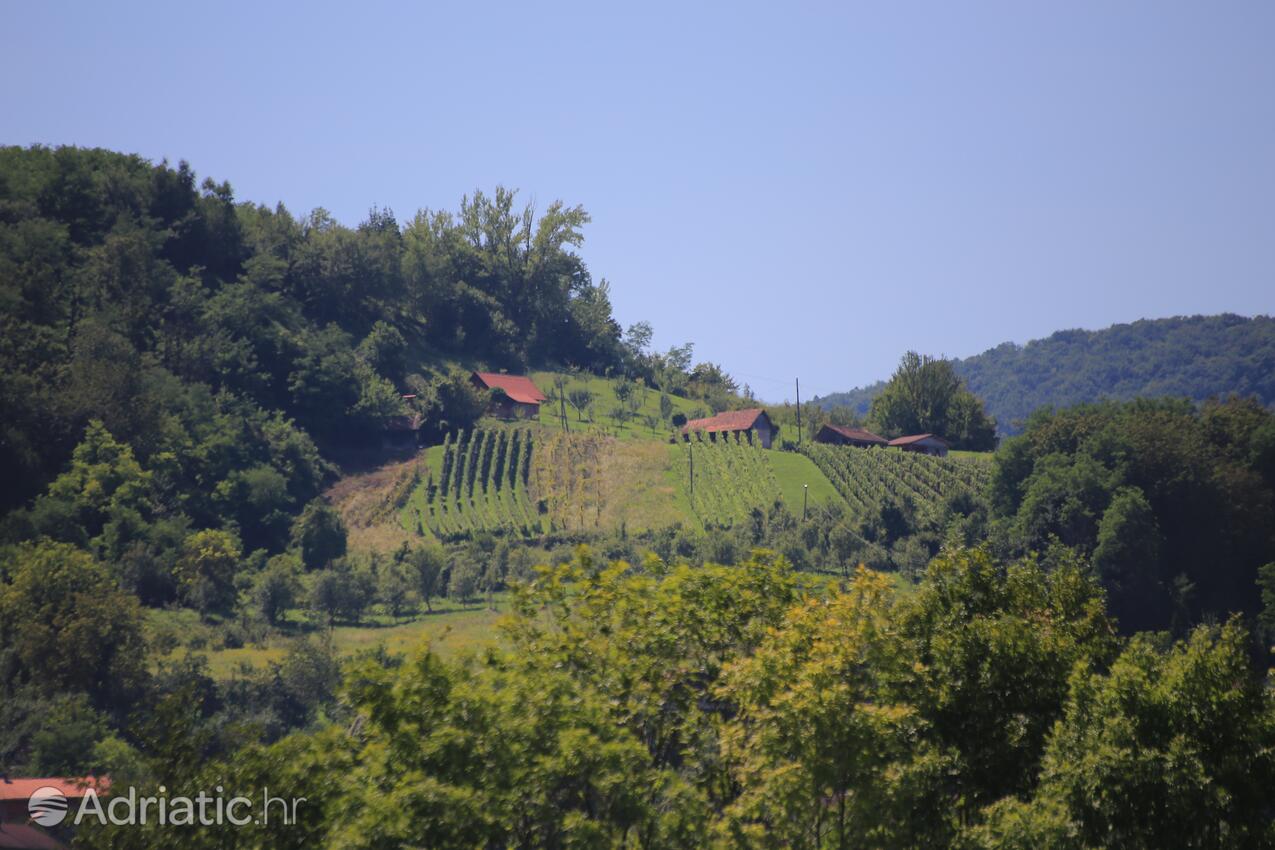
<point x="1192" y="357"/>
<point x="225" y="340"/>
<point x="621" y="636"/>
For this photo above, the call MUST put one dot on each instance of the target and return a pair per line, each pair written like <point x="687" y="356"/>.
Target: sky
<point x="802" y="190"/>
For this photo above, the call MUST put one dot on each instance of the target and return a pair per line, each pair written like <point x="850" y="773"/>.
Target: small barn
<point x="928" y="444"/>
<point x="402" y="432"/>
<point x="744" y="424"/>
<point x="520" y="400"/>
<point x="21" y="800"/>
<point x="840" y="435"/>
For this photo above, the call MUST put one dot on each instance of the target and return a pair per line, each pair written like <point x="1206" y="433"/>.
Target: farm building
<point x="840" y="435"/>
<point x="521" y="399"/>
<point x="742" y="423"/>
<point x="402" y="431"/>
<point x="928" y="444"/>
<point x="19" y="829"/>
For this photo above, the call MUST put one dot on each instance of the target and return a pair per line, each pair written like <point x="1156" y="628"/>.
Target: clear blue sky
<point x="802" y="191"/>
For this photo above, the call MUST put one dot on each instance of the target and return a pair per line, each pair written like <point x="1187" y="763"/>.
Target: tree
<point x="924" y="396"/>
<point x="1126" y="558"/>
<point x="396" y="588"/>
<point x="428" y="562"/>
<point x="1266" y="620"/>
<point x="463" y="585"/>
<point x="319" y="535"/>
<point x="385" y="350"/>
<point x="1168" y="749"/>
<point x="341" y="592"/>
<point x="580" y="398"/>
<point x="66" y="625"/>
<point x="206" y="570"/>
<point x="277" y="587"/>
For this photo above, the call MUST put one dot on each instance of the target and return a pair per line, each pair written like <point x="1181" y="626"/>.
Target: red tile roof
<point x="72" y="788"/>
<point x="20" y="836"/>
<point x="519" y="388"/>
<point x="730" y="420"/>
<point x="857" y="434"/>
<point x="916" y="438"/>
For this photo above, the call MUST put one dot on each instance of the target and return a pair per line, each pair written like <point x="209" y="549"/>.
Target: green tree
<point x="580" y="398"/>
<point x="319" y="535"/>
<point x="1126" y="558"/>
<point x="277" y="587"/>
<point x="463" y="583"/>
<point x="206" y="570"/>
<point x="67" y="626"/>
<point x="1167" y="749"/>
<point x="924" y="396"/>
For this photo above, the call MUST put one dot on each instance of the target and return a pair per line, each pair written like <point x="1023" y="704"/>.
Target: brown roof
<point x="857" y="434"/>
<point x="729" y="420"/>
<point x="71" y="788"/>
<point x="519" y="388"/>
<point x="916" y="438"/>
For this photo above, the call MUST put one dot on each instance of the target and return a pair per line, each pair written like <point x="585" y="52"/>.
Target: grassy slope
<point x="792" y="471"/>
<point x="604" y="401"/>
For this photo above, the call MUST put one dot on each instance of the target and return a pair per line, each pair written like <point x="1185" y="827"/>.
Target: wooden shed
<point x="743" y="424"/>
<point x="840" y="435"/>
<point x="929" y="444"/>
<point x="520" y="399"/>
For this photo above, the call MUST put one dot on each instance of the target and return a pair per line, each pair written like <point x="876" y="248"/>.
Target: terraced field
<point x="869" y="478"/>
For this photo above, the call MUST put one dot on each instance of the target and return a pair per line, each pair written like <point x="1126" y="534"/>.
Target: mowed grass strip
<point x="792" y="471"/>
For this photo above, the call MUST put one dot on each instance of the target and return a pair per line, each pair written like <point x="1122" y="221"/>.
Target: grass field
<point x="451" y="629"/>
<point x="605" y="401"/>
<point x="792" y="471"/>
<point x="985" y="457"/>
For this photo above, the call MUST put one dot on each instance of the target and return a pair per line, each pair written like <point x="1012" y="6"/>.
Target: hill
<point x="1191" y="357"/>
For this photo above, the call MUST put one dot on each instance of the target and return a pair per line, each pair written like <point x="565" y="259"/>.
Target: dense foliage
<point x="1174" y="505"/>
<point x="1192" y="357"/>
<point x="194" y="327"/>
<point x="657" y="707"/>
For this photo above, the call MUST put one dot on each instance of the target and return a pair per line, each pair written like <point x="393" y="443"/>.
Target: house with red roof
<point x="929" y="444"/>
<point x="512" y="396"/>
<point x="19" y="829"/>
<point x="840" y="435"/>
<point x="749" y="424"/>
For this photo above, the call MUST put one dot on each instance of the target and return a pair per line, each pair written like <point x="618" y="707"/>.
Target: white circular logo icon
<point x="47" y="806"/>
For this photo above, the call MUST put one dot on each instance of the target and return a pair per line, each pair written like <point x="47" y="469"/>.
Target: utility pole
<point x="562" y="410"/>
<point x="799" y="413"/>
<point x="690" y="446"/>
<point x="805" y="497"/>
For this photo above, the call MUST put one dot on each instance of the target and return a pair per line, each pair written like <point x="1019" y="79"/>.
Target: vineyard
<point x="730" y="479"/>
<point x="869" y="478"/>
<point x="478" y="483"/>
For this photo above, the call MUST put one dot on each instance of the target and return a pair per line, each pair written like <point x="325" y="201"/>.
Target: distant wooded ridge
<point x="1185" y="356"/>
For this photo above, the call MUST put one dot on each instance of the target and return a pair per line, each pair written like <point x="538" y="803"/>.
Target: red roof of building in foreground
<point x="856" y="434"/>
<point x="20" y="836"/>
<point x="729" y="420"/>
<point x="916" y="438"/>
<point x="71" y="788"/>
<point x="519" y="388"/>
